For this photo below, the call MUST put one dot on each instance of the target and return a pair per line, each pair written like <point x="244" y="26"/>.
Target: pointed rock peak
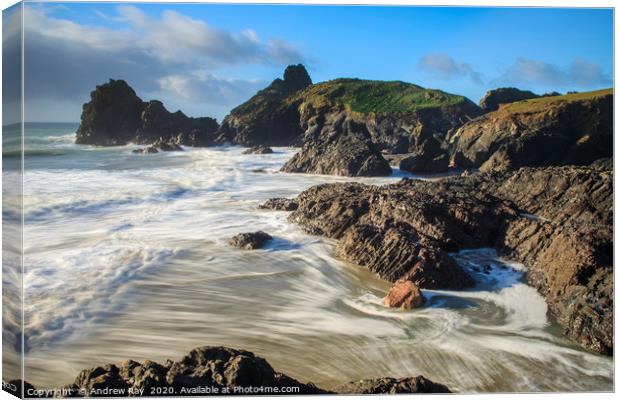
<point x="296" y="77"/>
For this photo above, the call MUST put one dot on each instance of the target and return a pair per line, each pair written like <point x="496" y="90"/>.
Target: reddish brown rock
<point x="404" y="294"/>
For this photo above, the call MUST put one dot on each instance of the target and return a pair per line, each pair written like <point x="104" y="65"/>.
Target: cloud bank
<point x="172" y="55"/>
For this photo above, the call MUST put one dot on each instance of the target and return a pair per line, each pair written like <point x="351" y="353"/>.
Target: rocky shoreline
<point x="555" y="220"/>
<point x="211" y="371"/>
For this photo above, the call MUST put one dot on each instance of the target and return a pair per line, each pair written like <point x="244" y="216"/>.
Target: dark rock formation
<point x="250" y="240"/>
<point x="115" y="115"/>
<point x="404" y="294"/>
<point x="417" y="384"/>
<point x="558" y="221"/>
<point x="572" y="129"/>
<point x="405" y="230"/>
<point x="493" y="98"/>
<point x="429" y="158"/>
<point x="279" y="204"/>
<point x="226" y="370"/>
<point x="222" y="370"/>
<point x="146" y="150"/>
<point x="339" y="146"/>
<point x="399" y="116"/>
<point x="266" y="119"/>
<point x="259" y="150"/>
<point x="568" y="246"/>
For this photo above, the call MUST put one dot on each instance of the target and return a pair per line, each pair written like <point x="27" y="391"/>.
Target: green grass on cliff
<point x="543" y="103"/>
<point x="364" y="96"/>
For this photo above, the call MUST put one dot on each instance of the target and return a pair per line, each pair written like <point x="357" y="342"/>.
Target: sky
<point x="205" y="58"/>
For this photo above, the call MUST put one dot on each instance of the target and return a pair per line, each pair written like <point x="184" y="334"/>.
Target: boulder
<point x="259" y="150"/>
<point x="115" y="115"/>
<point x="417" y="384"/>
<point x="250" y="240"/>
<point x="494" y="98"/>
<point x="339" y="147"/>
<point x="572" y="129"/>
<point x="405" y="295"/>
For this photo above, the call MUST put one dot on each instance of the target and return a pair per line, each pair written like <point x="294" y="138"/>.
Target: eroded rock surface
<point x="229" y="370"/>
<point x="417" y="384"/>
<point x="279" y="204"/>
<point x="573" y="129"/>
<point x="558" y="221"/>
<point x="339" y="146"/>
<point x="250" y="240"/>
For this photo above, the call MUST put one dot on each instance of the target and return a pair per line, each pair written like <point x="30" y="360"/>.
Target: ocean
<point x="126" y="257"/>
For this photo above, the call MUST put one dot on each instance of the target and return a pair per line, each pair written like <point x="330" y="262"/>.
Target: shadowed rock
<point x="227" y="370"/>
<point x="494" y="98"/>
<point x="115" y="115"/>
<point x="417" y="384"/>
<point x="250" y="240"/>
<point x="279" y="204"/>
<point x="338" y="147"/>
<point x="258" y="150"/>
<point x="146" y="150"/>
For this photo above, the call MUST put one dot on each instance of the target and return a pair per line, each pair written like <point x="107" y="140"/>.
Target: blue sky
<point x="205" y="59"/>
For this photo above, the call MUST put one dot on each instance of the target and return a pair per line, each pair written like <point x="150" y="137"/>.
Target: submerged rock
<point x="250" y="240"/>
<point x="417" y="384"/>
<point x="404" y="294"/>
<point x="259" y="150"/>
<point x="146" y="150"/>
<point x="339" y="147"/>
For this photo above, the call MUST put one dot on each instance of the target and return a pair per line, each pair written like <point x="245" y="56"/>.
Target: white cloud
<point x="579" y="73"/>
<point x="443" y="66"/>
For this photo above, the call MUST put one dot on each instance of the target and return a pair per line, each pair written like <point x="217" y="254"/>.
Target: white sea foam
<point x="127" y="258"/>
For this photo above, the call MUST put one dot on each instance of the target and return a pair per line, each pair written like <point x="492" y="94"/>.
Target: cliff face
<point x="571" y="129"/>
<point x="116" y="116"/>
<point x="398" y="116"/>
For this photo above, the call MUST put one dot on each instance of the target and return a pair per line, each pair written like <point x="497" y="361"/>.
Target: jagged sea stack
<point x="115" y="116"/>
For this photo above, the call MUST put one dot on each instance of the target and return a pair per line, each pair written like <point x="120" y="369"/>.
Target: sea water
<point x="126" y="257"/>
